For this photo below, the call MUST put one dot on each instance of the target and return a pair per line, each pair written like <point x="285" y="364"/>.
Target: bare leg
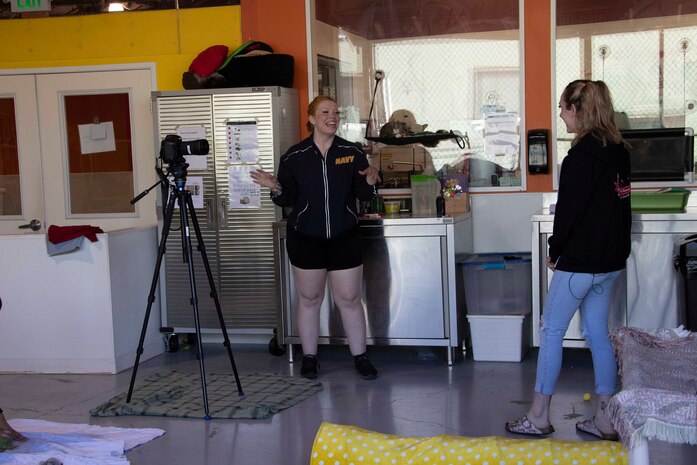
<point x="602" y="421"/>
<point x="346" y="291"/>
<point x="536" y="421"/>
<point x="539" y="411"/>
<point x="310" y="286"/>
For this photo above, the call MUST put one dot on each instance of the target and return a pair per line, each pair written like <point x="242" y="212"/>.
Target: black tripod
<point x="179" y="194"/>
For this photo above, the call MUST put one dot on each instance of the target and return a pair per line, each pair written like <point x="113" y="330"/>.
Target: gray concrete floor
<point x="416" y="394"/>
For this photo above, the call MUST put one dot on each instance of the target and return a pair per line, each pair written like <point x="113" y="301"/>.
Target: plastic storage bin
<point x="498" y="294"/>
<point x="498" y="283"/>
<point x="672" y="200"/>
<point x="499" y="338"/>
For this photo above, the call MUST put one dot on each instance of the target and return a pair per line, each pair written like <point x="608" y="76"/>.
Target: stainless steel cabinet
<point x="409" y="288"/>
<point x="238" y="242"/>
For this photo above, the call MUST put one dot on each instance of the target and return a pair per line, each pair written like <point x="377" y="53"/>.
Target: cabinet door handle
<point x="222" y="214"/>
<point x="209" y="212"/>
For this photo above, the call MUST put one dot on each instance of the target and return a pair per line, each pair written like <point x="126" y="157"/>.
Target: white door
<point x="93" y="135"/>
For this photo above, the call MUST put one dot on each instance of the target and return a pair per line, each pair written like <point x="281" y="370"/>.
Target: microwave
<point x="662" y="154"/>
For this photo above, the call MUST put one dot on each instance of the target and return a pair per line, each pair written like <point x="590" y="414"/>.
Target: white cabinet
<point x="542" y="276"/>
<point x="649" y="295"/>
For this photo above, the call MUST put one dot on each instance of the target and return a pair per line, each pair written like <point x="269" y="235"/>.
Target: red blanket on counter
<point x="58" y="234"/>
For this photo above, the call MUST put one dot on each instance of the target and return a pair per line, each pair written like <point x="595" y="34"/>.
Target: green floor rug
<point x="176" y="394"/>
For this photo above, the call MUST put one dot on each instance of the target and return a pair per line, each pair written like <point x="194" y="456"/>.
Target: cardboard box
<point x="500" y="338"/>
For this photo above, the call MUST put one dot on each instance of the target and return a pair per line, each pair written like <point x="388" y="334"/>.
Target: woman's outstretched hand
<point x="372" y="175"/>
<point x="264" y="179"/>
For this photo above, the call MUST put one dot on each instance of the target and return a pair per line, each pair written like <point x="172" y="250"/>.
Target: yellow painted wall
<point x="170" y="38"/>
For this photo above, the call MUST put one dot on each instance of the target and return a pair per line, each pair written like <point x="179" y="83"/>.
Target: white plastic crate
<point x="499" y="338"/>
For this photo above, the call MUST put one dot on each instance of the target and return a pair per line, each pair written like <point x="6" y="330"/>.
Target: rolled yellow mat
<point x="348" y="445"/>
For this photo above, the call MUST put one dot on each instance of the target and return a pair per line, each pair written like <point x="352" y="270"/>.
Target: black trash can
<point x="685" y="256"/>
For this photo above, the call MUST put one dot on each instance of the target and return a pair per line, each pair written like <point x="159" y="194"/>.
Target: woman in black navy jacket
<point x="322" y="178"/>
<point x="588" y="249"/>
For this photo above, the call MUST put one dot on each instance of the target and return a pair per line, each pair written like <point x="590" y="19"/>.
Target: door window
<point x="100" y="153"/>
<point x="10" y="198"/>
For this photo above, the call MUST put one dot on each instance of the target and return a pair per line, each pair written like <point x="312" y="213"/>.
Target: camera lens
<point x="194" y="147"/>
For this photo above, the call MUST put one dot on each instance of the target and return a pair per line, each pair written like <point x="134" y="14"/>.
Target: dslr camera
<point x="173" y="149"/>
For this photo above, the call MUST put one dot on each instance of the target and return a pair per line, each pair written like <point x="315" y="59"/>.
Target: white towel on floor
<point x="75" y="444"/>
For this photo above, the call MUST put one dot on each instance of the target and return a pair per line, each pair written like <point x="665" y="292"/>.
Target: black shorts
<point x="312" y="253"/>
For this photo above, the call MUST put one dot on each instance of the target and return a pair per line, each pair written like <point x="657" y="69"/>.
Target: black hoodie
<point x="323" y="190"/>
<point x="593" y="216"/>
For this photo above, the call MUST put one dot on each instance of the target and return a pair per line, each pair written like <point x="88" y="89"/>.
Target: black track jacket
<point x="593" y="217"/>
<point x="323" y="190"/>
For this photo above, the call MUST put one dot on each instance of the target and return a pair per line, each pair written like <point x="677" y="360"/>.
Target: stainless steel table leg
<point x="290" y="353"/>
<point x="450" y="356"/>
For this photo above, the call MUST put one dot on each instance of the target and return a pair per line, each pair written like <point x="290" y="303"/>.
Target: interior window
<point x="646" y="55"/>
<point x="416" y="69"/>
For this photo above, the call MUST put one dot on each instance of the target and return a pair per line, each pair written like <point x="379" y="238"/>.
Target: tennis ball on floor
<point x="586" y="396"/>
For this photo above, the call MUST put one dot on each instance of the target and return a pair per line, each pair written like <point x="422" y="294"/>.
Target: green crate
<point x="665" y="201"/>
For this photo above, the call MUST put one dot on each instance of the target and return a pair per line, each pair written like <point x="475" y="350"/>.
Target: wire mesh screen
<point x="450" y="84"/>
<point x="648" y="72"/>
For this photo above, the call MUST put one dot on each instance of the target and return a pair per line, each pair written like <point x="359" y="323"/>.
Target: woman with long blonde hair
<point x="587" y="252"/>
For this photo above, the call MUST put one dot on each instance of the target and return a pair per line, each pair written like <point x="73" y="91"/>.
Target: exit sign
<point x="26" y="6"/>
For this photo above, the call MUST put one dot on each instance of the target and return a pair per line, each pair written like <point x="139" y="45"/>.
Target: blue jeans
<point x="592" y="294"/>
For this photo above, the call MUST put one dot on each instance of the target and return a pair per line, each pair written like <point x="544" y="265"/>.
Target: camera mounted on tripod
<point x="172" y="152"/>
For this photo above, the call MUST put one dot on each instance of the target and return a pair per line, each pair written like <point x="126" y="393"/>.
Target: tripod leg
<point x="214" y="293"/>
<point x="184" y="199"/>
<point x="153" y="286"/>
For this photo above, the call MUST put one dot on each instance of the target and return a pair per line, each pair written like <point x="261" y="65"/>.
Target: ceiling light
<point x="115" y="7"/>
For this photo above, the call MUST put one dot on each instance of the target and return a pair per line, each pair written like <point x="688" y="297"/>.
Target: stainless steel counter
<point x="409" y="283"/>
<point x="650" y="296"/>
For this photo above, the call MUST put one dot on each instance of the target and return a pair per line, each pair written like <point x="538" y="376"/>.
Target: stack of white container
<point x="498" y="293"/>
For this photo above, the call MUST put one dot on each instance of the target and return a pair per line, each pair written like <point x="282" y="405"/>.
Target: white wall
<point x="501" y="222"/>
<point x="79" y="312"/>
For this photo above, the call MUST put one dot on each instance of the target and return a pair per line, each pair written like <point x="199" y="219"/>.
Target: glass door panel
<point x="10" y="198"/>
<point x="100" y="154"/>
